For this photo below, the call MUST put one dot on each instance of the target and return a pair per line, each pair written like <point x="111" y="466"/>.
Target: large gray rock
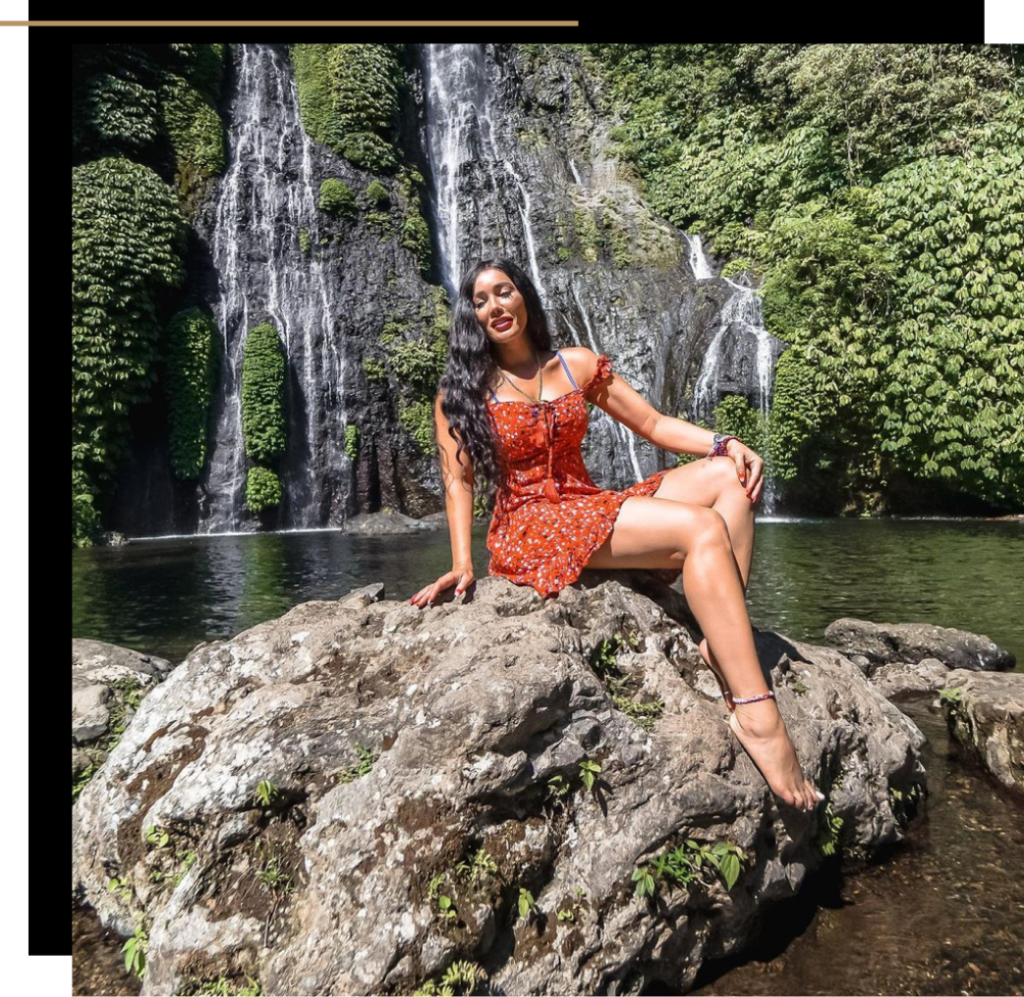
<point x="988" y="718"/>
<point x="884" y="643"/>
<point x="901" y="680"/>
<point x="107" y="682"/>
<point x="472" y="708"/>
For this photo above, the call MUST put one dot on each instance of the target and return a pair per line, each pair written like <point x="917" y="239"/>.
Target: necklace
<point x="540" y="382"/>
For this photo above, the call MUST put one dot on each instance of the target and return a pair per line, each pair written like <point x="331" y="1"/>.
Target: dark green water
<point x="165" y="596"/>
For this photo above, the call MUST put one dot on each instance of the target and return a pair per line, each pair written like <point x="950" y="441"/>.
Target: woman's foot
<point x="722" y="684"/>
<point x="760" y="729"/>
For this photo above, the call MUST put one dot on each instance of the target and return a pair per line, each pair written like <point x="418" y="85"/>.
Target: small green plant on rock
<point x="134" y="950"/>
<point x="270" y="873"/>
<point x="435" y="884"/>
<point x="604" y="661"/>
<point x="684" y="864"/>
<point x="571" y="913"/>
<point x="950" y="696"/>
<point x="221" y="987"/>
<point x="123" y="889"/>
<point x="526" y="904"/>
<point x="156" y="835"/>
<point x="266" y="793"/>
<point x="479" y="866"/>
<point x="460" y="976"/>
<point x="558" y="785"/>
<point x="589" y="769"/>
<point x="828" y="831"/>
<point x="366" y="757"/>
<point x="445" y="907"/>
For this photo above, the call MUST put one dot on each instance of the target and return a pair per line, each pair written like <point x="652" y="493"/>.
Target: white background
<point x="45" y="975"/>
<point x="1004" y="21"/>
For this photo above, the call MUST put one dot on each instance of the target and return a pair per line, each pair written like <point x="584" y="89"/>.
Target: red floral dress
<point x="549" y="516"/>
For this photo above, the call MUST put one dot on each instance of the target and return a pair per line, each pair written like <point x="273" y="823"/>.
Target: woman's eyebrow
<point x="501" y="283"/>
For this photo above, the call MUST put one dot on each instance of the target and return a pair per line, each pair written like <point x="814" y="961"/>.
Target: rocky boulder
<point x="985" y="713"/>
<point x="870" y="645"/>
<point x="539" y="796"/>
<point x="107" y="685"/>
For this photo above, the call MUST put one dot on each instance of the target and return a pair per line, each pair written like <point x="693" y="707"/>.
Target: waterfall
<point x="742" y="309"/>
<point x="268" y="192"/>
<point x="464" y="135"/>
<point x="626" y="435"/>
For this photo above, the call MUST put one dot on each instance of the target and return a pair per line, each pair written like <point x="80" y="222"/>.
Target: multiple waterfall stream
<point x="506" y="176"/>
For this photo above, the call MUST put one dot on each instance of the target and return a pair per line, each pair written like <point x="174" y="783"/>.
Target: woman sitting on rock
<point x="496" y="420"/>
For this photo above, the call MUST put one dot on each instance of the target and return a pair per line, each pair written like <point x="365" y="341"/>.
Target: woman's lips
<point x="504" y="324"/>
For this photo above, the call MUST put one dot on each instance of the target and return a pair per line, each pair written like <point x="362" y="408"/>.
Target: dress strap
<point x="565" y="367"/>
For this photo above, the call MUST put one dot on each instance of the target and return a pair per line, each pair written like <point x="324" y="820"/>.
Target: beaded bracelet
<point x="721" y="439"/>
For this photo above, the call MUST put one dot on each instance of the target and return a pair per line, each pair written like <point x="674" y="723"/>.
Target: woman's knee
<point x="703" y="526"/>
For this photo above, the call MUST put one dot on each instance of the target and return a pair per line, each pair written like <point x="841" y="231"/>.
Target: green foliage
<point x="349" y="99"/>
<point x="222" y="987"/>
<point x="262" y="489"/>
<point x="588" y="770"/>
<point x="526" y="904"/>
<point x="375" y="369"/>
<point x="263" y="376"/>
<point x="126" y="245"/>
<point x="366" y="757"/>
<point x="621" y="685"/>
<point x="377" y="194"/>
<point x="479" y="867"/>
<point x="134" y="950"/>
<point x="352" y="440"/>
<point x="196" y="132"/>
<point x="951" y="696"/>
<point x="828" y="830"/>
<point x="684" y="864"/>
<point x="877" y="191"/>
<point x="115" y="99"/>
<point x="304" y="241"/>
<point x="417" y="419"/>
<point x="265" y="793"/>
<point x="954" y="406"/>
<point x="157" y="836"/>
<point x="81" y="780"/>
<point x="337" y="199"/>
<point x="461" y="976"/>
<point x="191" y="378"/>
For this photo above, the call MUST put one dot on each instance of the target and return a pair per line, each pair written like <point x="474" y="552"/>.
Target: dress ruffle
<point x="603" y="373"/>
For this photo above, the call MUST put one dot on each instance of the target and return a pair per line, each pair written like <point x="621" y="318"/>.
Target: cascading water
<point x="465" y="136"/>
<point x="269" y="193"/>
<point x="743" y="311"/>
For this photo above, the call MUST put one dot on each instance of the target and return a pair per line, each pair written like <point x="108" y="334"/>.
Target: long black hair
<point x="472" y="365"/>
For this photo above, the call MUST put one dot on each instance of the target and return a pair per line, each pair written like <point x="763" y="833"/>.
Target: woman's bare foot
<point x="762" y="733"/>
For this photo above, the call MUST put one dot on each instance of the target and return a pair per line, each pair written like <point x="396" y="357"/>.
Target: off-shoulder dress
<point x="549" y="516"/>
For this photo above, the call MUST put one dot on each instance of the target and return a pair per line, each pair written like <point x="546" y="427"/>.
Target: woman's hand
<point x="748" y="467"/>
<point x="461" y="577"/>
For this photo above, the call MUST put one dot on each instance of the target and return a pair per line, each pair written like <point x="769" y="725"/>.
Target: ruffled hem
<point x="572" y="565"/>
<point x="602" y="374"/>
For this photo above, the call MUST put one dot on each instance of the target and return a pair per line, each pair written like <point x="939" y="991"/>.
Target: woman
<point x="513" y="411"/>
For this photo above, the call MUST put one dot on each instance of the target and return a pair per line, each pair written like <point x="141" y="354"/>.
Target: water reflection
<point x="165" y="596"/>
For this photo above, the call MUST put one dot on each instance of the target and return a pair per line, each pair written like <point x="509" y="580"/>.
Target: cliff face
<point x="511" y="150"/>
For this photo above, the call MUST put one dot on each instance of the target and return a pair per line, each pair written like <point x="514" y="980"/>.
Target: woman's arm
<point x="458" y="491"/>
<point x="622" y="402"/>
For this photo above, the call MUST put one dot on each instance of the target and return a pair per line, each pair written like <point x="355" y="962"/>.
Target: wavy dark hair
<point x="472" y="364"/>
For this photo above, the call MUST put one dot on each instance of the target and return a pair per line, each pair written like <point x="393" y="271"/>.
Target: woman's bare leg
<point x="713" y="482"/>
<point x="662" y="533"/>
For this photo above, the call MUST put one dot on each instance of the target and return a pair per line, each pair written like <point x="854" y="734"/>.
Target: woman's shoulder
<point x="582" y="362"/>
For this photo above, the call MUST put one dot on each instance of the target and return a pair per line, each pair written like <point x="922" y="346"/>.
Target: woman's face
<point x="499" y="306"/>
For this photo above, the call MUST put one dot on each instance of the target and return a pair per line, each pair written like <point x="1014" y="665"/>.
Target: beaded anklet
<point x="753" y="699"/>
